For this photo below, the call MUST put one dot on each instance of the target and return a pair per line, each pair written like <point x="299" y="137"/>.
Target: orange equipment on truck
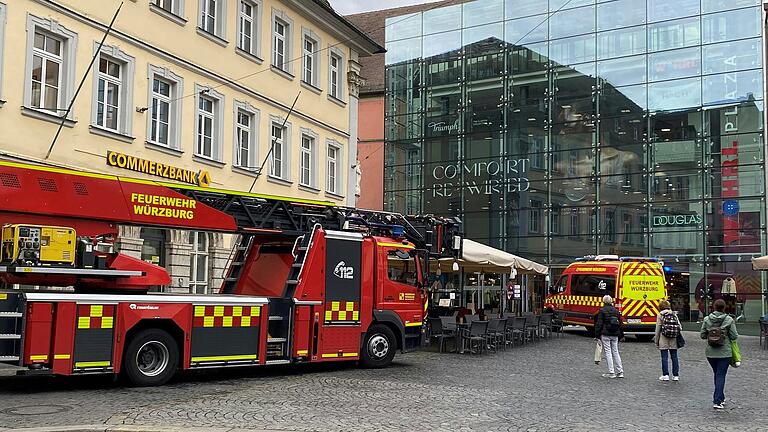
<point x="308" y="281"/>
<point x="637" y="286"/>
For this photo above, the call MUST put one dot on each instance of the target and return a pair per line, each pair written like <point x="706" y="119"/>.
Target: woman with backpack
<point x="719" y="329"/>
<point x="608" y="329"/>
<point x="667" y="329"/>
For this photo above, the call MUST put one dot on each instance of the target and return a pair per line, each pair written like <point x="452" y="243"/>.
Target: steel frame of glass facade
<point x="562" y="128"/>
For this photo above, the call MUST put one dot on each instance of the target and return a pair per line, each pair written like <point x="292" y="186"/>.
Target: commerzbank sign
<point x="158" y="169"/>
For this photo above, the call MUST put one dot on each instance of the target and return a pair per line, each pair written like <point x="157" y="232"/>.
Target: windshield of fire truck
<point x="401" y="267"/>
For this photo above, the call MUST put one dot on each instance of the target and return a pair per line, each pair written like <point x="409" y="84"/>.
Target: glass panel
<point x="685" y="154"/>
<point x="576" y="191"/>
<point x="623" y="71"/>
<point x="621" y="13"/>
<point x="403" y="27"/>
<point x="674" y="64"/>
<point x="662" y="10"/>
<point x="484" y="39"/>
<point x="526" y="30"/>
<point x="574" y="95"/>
<point x="573" y="50"/>
<point x="403" y="51"/>
<point x="733" y="56"/>
<point x="572" y="22"/>
<point x="521" y="8"/>
<point x="674" y="95"/>
<point x="622" y="42"/>
<point x="727" y="179"/>
<point x="626" y="133"/>
<point x="737" y="119"/>
<point x="555" y="5"/>
<point x="674" y="34"/>
<point x="733" y="87"/>
<point x="623" y="101"/>
<point x="445" y="45"/>
<point x="442" y="19"/>
<point x="731" y="25"/>
<point x="676" y="186"/>
<point x="676" y="126"/>
<point x="532" y="58"/>
<point x="719" y="5"/>
<point x="482" y="12"/>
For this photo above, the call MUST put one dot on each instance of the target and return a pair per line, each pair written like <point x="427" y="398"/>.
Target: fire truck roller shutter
<point x="343" y="278"/>
<point x="94" y="335"/>
<point x="225" y="334"/>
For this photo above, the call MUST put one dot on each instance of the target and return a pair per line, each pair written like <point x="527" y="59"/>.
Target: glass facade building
<point x="562" y="128"/>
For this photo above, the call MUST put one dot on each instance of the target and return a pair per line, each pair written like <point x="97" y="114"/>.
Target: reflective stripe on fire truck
<point x="225" y="334"/>
<point x="341" y="354"/>
<point x="94" y="336"/>
<point x="559" y="300"/>
<point x="349" y="313"/>
<point x="635" y="308"/>
<point x="397" y="245"/>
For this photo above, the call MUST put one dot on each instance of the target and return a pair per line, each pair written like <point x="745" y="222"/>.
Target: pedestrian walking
<point x="719" y="329"/>
<point x="668" y="327"/>
<point x="608" y="330"/>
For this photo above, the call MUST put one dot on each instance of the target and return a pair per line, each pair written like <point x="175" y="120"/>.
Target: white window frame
<point x="534" y="217"/>
<point x="308" y="159"/>
<point x="341" y="74"/>
<point x="3" y="19"/>
<point x="219" y="14"/>
<point x="310" y="58"/>
<point x="174" y="116"/>
<point x="333" y="171"/>
<point x="217" y="134"/>
<point x="196" y="286"/>
<point x="284" y="156"/>
<point x="281" y="17"/>
<point x="66" y="71"/>
<point x="253" y="136"/>
<point x="255" y="46"/>
<point x="125" y="98"/>
<point x="174" y="13"/>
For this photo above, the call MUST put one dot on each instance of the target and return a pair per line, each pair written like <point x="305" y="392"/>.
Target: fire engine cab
<point x="307" y="281"/>
<point x="637" y="285"/>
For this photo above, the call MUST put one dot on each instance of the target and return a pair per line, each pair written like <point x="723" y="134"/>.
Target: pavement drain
<point x="33" y="410"/>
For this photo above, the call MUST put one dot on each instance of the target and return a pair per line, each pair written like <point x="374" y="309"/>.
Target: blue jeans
<point x="720" y="368"/>
<point x="665" y="362"/>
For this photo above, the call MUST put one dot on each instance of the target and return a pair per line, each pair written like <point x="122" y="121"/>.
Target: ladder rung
<point x="237" y="263"/>
<point x="297" y="265"/>
<point x="231" y="279"/>
<point x="275" y="340"/>
<point x="292" y="282"/>
<point x="275" y="318"/>
<point x="9" y="358"/>
<point x="10" y="315"/>
<point x="303" y="248"/>
<point x="10" y="336"/>
<point x="242" y="248"/>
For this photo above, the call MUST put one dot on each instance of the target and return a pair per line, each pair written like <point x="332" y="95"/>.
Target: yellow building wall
<point x="28" y="138"/>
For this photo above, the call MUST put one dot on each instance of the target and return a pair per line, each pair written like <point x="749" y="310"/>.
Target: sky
<point x="347" y="7"/>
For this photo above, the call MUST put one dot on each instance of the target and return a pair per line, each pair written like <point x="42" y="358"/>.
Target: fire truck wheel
<point x="379" y="348"/>
<point x="151" y="358"/>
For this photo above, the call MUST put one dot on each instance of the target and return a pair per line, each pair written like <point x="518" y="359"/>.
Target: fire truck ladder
<point x="237" y="263"/>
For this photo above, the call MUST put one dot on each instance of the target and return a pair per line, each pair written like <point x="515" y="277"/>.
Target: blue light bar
<point x="398" y="231"/>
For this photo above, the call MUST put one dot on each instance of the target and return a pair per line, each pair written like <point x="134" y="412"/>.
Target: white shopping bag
<point x="598" y="351"/>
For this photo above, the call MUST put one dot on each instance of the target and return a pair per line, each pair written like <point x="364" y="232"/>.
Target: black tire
<point x="379" y="347"/>
<point x="644" y="337"/>
<point x="151" y="358"/>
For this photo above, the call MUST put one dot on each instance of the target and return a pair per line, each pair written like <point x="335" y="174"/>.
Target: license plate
<point x="634" y="321"/>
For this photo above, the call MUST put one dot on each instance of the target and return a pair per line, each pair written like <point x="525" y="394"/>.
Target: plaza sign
<point x="677" y="220"/>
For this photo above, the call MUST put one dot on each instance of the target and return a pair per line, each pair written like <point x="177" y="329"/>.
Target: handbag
<point x="680" y="339"/>
<point x="598" y="351"/>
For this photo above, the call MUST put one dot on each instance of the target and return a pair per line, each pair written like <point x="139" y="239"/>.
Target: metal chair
<point x="763" y="333"/>
<point x="495" y="333"/>
<point x="437" y="331"/>
<point x="545" y="325"/>
<point x="470" y="318"/>
<point x="531" y="327"/>
<point x="449" y="323"/>
<point x="475" y="336"/>
<point x="557" y="323"/>
<point x="517" y="330"/>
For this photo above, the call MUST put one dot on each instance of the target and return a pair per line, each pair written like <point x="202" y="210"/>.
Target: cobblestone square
<point x="547" y="386"/>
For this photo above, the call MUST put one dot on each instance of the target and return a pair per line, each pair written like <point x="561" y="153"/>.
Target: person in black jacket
<point x="608" y="329"/>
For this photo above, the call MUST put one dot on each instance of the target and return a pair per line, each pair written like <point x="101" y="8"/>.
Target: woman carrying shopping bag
<point x="719" y="330"/>
<point x="668" y="329"/>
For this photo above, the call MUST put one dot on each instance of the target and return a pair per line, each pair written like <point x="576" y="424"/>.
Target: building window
<point x="248" y="28"/>
<point x="50" y="69"/>
<point x="534" y="217"/>
<point x="575" y="222"/>
<point x="555" y="218"/>
<point x="113" y="90"/>
<point x="336" y="74"/>
<point x="310" y="68"/>
<point x="610" y="226"/>
<point x="307" y="144"/>
<point x="198" y="264"/>
<point x="332" y="170"/>
<point x="213" y="17"/>
<point x="278" y="166"/>
<point x="171" y="9"/>
<point x="627" y="228"/>
<point x="246" y="135"/>
<point x="164" y="121"/>
<point x="208" y="130"/>
<point x="282" y="35"/>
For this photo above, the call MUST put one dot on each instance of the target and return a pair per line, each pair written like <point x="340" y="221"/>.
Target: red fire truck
<point x="307" y="281"/>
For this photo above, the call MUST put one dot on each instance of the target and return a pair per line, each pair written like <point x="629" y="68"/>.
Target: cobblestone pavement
<point x="548" y="386"/>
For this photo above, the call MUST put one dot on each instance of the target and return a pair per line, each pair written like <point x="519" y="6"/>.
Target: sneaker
<point x="597" y="362"/>
<point x="609" y="375"/>
<point x="675" y="378"/>
<point x="718" y="406"/>
<point x="620" y="375"/>
<point x="664" y="378"/>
